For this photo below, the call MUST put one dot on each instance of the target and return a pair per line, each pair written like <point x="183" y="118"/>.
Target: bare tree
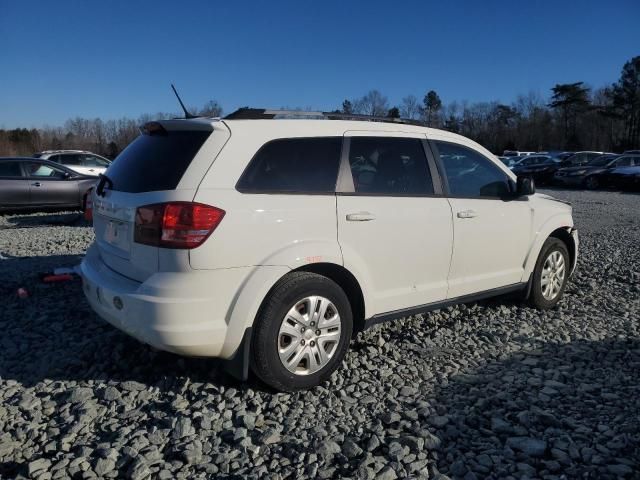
<point x="410" y="108"/>
<point x="211" y="109"/>
<point x="373" y="103"/>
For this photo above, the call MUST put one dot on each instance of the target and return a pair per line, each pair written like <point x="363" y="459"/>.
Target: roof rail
<point x="264" y="114"/>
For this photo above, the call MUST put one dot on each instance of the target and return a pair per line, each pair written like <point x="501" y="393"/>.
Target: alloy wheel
<point x="553" y="273"/>
<point x="309" y="335"/>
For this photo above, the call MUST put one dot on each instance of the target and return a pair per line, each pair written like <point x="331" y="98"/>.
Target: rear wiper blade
<point x="104" y="181"/>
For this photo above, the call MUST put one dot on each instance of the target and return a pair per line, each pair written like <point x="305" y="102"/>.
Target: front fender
<point x="559" y="220"/>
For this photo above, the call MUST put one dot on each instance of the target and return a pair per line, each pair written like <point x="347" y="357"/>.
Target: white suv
<point x="269" y="242"/>
<point x="80" y="161"/>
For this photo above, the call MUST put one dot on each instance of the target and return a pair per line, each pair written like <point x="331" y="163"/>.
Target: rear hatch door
<point x="150" y="170"/>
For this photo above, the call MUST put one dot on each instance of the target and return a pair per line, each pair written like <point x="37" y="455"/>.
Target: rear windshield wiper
<point x="104" y="181"/>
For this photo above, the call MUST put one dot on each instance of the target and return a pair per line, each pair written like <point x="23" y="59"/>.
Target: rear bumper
<point x="184" y="313"/>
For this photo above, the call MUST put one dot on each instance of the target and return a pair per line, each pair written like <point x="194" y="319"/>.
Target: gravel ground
<point x="488" y="390"/>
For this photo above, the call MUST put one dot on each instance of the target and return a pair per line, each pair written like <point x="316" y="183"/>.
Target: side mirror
<point x="525" y="186"/>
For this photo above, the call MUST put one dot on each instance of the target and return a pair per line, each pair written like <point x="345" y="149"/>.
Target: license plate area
<point x="116" y="234"/>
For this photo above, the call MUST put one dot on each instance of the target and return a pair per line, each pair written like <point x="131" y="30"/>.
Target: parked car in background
<point x="27" y="183"/>
<point x="625" y="178"/>
<point x="562" y="155"/>
<point x="539" y="167"/>
<point x="79" y="161"/>
<point x="592" y="174"/>
<point x="516" y="153"/>
<point x="581" y="158"/>
<point x="359" y="222"/>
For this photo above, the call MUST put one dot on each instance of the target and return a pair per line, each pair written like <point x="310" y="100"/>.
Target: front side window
<point x="10" y="170"/>
<point x="41" y="170"/>
<point x="295" y="165"/>
<point x="624" y="162"/>
<point x="389" y="166"/>
<point x="471" y="174"/>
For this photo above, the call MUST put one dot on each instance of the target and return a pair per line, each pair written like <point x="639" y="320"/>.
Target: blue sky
<point x="60" y="59"/>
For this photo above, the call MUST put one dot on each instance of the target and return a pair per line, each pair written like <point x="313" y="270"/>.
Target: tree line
<point x="573" y="117"/>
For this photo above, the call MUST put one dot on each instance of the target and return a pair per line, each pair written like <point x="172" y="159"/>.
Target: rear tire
<point x="550" y="275"/>
<point x="301" y="333"/>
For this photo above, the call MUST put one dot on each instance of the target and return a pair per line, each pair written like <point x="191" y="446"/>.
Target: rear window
<point x="294" y="165"/>
<point x="155" y="161"/>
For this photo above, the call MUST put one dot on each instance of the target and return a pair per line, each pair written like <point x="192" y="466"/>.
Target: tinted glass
<point x="10" y="169"/>
<point x="155" y="162"/>
<point x="41" y="170"/>
<point x="601" y="161"/>
<point x="70" y="159"/>
<point x="389" y="166"/>
<point x="534" y="160"/>
<point x="93" y="161"/>
<point x="624" y="162"/>
<point x="294" y="165"/>
<point x="471" y="174"/>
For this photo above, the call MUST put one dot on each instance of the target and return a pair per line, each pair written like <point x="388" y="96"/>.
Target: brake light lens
<point x="176" y="224"/>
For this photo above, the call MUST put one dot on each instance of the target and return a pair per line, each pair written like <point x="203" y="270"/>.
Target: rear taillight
<point x="176" y="224"/>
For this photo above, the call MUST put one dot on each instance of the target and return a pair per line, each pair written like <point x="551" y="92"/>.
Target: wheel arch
<point x="345" y="280"/>
<point x="559" y="226"/>
<point x="564" y="234"/>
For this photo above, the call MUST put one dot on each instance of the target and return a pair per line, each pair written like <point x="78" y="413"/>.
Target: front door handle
<point x="360" y="217"/>
<point x="467" y="214"/>
<point x="36" y="184"/>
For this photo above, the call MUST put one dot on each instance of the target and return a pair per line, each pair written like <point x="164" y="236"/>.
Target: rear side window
<point x="93" y="161"/>
<point x="70" y="159"/>
<point x="389" y="166"/>
<point x="10" y="169"/>
<point x="471" y="174"/>
<point x="295" y="165"/>
<point x="155" y="161"/>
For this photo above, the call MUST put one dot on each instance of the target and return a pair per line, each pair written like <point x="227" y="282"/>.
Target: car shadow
<point x="53" y="219"/>
<point x="563" y="409"/>
<point x="53" y="334"/>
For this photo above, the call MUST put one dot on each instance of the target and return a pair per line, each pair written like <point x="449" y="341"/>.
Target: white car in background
<point x="269" y="241"/>
<point x="86" y="163"/>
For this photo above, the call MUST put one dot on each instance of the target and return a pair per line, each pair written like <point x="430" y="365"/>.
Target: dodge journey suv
<point x="268" y="242"/>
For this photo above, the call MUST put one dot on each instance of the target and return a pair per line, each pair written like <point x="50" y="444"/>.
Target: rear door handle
<point x="36" y="184"/>
<point x="467" y="214"/>
<point x="360" y="217"/>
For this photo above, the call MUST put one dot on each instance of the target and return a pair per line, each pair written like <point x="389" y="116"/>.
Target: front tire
<point x="591" y="183"/>
<point x="550" y="275"/>
<point x="301" y="333"/>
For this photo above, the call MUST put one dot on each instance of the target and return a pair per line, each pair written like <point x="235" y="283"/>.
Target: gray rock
<point x="103" y="466"/>
<point x="80" y="394"/>
<point x="351" y="449"/>
<point x="532" y="447"/>
<point x="38" y="466"/>
<point x="387" y="473"/>
<point x="327" y="448"/>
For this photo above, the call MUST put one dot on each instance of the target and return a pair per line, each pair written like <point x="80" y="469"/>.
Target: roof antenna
<point x="184" y="109"/>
